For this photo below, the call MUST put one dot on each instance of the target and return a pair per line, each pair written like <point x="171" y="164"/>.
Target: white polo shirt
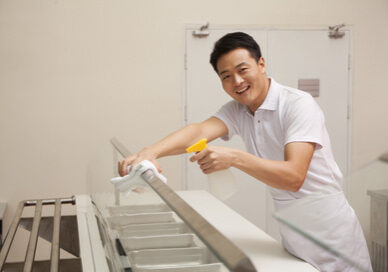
<point x="286" y="115"/>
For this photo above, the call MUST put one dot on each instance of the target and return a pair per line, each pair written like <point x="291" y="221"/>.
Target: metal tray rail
<point x="35" y="233"/>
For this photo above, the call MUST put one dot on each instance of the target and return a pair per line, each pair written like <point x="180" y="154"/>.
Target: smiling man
<point x="288" y="148"/>
<point x="242" y="77"/>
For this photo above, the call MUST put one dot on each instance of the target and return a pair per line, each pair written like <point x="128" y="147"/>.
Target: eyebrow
<point x="238" y="65"/>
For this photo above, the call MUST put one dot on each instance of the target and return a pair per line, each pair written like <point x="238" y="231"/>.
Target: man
<point x="287" y="143"/>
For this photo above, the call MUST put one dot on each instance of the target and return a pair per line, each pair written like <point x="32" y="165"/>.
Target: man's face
<point x="243" y="78"/>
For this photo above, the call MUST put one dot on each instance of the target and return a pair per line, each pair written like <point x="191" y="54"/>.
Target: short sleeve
<point x="228" y="114"/>
<point x="304" y="121"/>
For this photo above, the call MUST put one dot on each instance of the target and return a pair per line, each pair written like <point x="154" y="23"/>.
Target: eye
<point x="226" y="77"/>
<point x="243" y="69"/>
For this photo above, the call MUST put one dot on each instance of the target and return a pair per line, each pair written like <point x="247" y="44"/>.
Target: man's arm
<point x="286" y="175"/>
<point x="176" y="143"/>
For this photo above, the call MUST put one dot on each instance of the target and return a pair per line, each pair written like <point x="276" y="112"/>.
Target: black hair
<point x="233" y="41"/>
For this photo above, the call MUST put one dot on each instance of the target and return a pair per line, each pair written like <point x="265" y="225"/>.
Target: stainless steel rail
<point x="33" y="238"/>
<point x="30" y="254"/>
<point x="54" y="265"/>
<point x="10" y="235"/>
<point x="234" y="259"/>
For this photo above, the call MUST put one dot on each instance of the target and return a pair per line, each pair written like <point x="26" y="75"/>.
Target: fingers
<point x="206" y="166"/>
<point x="211" y="159"/>
<point x="133" y="161"/>
<point x="121" y="168"/>
<point x="209" y="171"/>
<point x="157" y="166"/>
<point x="199" y="155"/>
<point x="205" y="160"/>
<point x="123" y="165"/>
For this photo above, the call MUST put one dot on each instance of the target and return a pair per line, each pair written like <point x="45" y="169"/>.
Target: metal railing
<point x="227" y="252"/>
<point x="36" y="223"/>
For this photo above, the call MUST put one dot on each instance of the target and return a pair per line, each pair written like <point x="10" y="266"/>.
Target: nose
<point x="237" y="80"/>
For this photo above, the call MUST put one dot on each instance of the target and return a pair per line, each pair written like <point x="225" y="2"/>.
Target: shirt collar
<point x="271" y="101"/>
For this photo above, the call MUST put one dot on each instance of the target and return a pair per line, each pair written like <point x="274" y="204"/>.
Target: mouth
<point x="243" y="90"/>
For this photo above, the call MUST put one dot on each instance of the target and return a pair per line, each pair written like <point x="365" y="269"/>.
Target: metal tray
<point x="155" y="229"/>
<point x="135" y="209"/>
<point x="159" y="258"/>
<point x="118" y="222"/>
<point x="157" y="242"/>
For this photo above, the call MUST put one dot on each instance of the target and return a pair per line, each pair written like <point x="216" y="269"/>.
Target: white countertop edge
<point x="266" y="253"/>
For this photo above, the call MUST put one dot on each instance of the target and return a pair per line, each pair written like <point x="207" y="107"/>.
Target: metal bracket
<point x="202" y="32"/>
<point x="335" y="32"/>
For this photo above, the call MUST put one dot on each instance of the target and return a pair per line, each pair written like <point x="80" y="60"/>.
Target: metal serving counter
<point x="153" y="229"/>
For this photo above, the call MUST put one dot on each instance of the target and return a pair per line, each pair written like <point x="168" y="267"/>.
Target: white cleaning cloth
<point x="133" y="181"/>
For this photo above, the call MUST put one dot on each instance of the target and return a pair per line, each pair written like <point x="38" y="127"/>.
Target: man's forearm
<point x="177" y="142"/>
<point x="283" y="175"/>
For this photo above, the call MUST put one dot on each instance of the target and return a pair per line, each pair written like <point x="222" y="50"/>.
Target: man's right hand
<point x="133" y="160"/>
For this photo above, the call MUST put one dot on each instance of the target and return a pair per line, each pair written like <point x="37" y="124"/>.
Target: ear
<point x="261" y="64"/>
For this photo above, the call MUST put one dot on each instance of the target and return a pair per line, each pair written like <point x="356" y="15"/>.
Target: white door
<point x="291" y="56"/>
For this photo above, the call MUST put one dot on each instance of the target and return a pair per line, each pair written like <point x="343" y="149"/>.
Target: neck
<point x="261" y="98"/>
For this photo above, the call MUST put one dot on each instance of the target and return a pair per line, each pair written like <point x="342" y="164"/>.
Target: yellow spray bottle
<point x="222" y="183"/>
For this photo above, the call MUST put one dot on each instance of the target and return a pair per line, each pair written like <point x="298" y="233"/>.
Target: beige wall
<point x="75" y="73"/>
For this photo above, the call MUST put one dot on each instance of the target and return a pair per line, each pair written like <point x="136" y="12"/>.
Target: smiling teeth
<point x="243" y="90"/>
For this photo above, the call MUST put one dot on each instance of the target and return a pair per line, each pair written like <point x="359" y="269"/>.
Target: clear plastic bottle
<point x="222" y="184"/>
